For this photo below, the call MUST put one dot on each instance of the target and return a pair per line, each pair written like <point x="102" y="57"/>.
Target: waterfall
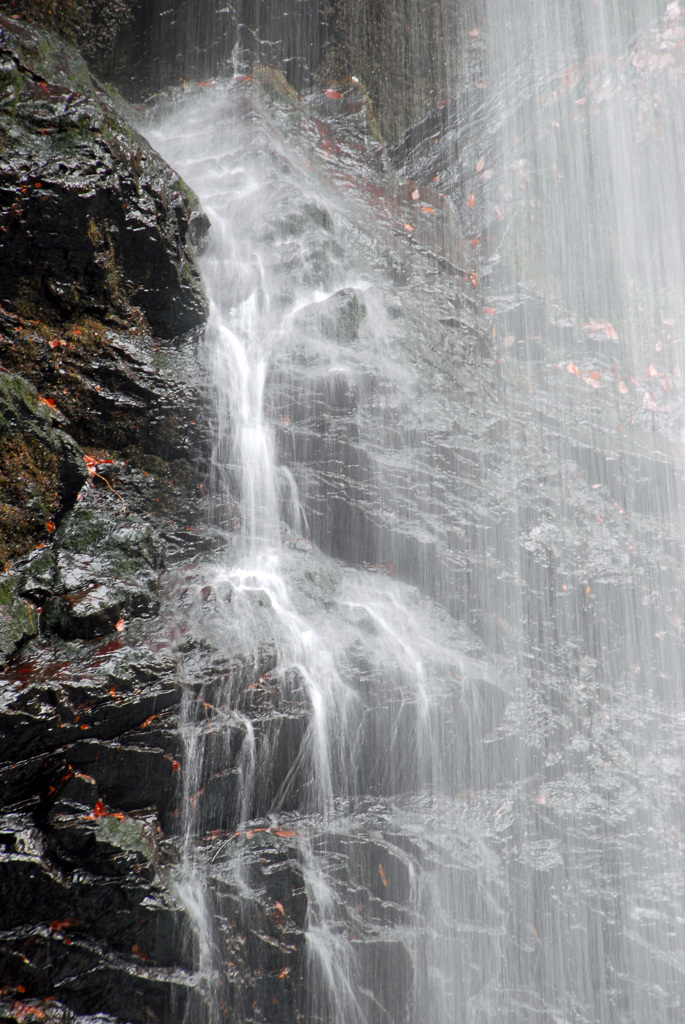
<point x="448" y="467"/>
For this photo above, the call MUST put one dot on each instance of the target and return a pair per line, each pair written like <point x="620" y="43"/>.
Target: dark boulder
<point x="93" y="220"/>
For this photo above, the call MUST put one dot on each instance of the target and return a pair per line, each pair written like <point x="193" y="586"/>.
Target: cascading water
<point x="460" y="746"/>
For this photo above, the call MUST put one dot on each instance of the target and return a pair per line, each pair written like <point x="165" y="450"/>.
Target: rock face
<point x="93" y="220"/>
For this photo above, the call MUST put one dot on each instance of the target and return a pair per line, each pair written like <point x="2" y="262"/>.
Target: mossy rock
<point x="41" y="467"/>
<point x="18" y="618"/>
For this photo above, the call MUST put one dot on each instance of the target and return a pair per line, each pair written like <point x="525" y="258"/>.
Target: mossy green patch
<point x="275" y="84"/>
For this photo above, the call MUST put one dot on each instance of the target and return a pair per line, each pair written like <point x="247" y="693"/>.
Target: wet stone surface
<point x="93" y="220"/>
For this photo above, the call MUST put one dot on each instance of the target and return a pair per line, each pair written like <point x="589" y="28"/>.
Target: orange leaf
<point x="473" y="278"/>
<point x="622" y="388"/>
<point x="572" y="368"/>
<point x="407" y="227"/>
<point x="57" y="926"/>
<point x="490" y="310"/>
<point x="175" y="765"/>
<point x="279" y="907"/>
<point x="144" y="725"/>
<point x="47" y="401"/>
<point x="99" y="810"/>
<point x="474" y="243"/>
<point x="471" y="201"/>
<point x="474" y="33"/>
<point x="284" y="972"/>
<point x="49" y="526"/>
<point x="480" y="165"/>
<point x="416" y="194"/>
<point x="381" y="872"/>
<point x="120" y="626"/>
<point x="428" y="209"/>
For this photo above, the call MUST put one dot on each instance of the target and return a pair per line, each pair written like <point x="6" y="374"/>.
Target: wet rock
<point x="107" y="567"/>
<point x="90" y="979"/>
<point x="94" y="219"/>
<point x="18" y="618"/>
<point x="337" y="317"/>
<point x="41" y="467"/>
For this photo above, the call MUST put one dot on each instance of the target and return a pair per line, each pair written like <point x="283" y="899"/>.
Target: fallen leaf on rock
<point x="407" y="227"/>
<point x="99" y="810"/>
<point x="120" y="626"/>
<point x="58" y="926"/>
<point x="381" y="872"/>
<point x="623" y="390"/>
<point x="416" y="194"/>
<point x="332" y="94"/>
<point x="480" y="165"/>
<point x="499" y="213"/>
<point x="572" y="368"/>
<point x="48" y="401"/>
<point x="428" y="209"/>
<point x="471" y="201"/>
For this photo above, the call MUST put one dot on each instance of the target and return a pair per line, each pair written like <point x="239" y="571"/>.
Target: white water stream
<point x="490" y="826"/>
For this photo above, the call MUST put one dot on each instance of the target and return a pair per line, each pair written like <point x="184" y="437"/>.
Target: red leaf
<point x="47" y="401"/>
<point x="99" y="810"/>
<point x="332" y="94"/>
<point x="58" y="926"/>
<point x="49" y="526"/>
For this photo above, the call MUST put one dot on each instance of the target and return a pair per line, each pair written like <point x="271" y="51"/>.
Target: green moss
<point x="18" y="619"/>
<point x="11" y="85"/>
<point x="275" y="84"/>
<point x="83" y="531"/>
<point x="127" y="834"/>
